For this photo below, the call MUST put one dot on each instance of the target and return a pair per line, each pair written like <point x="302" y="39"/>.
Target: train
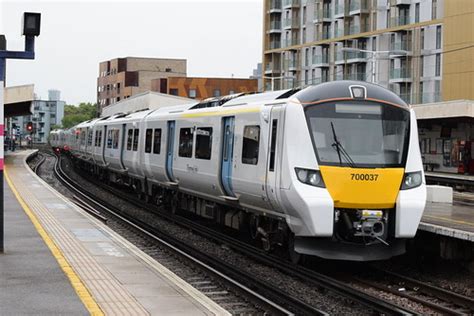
<point x="332" y="170"/>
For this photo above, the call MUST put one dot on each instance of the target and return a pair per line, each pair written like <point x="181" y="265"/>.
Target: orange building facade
<point x="203" y="88"/>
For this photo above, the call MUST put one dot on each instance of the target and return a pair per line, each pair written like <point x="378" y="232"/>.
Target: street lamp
<point x="374" y="54"/>
<point x="30" y="29"/>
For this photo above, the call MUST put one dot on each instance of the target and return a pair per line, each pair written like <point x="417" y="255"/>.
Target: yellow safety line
<point x="76" y="282"/>
<point x="449" y="220"/>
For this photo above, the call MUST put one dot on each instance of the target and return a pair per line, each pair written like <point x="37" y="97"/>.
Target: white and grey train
<point x="332" y="170"/>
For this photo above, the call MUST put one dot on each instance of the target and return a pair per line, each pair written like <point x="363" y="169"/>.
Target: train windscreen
<point x="359" y="134"/>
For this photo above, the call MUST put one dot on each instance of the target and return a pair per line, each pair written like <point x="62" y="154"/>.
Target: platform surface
<point x="100" y="271"/>
<point x="451" y="220"/>
<point x="31" y="280"/>
<point x="446" y="175"/>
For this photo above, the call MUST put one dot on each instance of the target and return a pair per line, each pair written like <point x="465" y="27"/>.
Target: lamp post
<point x="31" y="29"/>
<point x="374" y="54"/>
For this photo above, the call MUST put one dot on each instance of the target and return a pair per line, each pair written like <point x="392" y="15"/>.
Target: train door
<point x="227" y="154"/>
<point x="122" y="144"/>
<point x="104" y="145"/>
<point x="169" y="150"/>
<point x="274" y="155"/>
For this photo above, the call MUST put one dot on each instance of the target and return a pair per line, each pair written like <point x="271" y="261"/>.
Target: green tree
<point x="74" y="115"/>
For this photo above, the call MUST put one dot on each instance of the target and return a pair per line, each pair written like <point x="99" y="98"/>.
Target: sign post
<point x="31" y="29"/>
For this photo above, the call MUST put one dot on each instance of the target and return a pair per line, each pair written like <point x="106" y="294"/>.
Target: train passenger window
<point x="99" y="139"/>
<point x="273" y="145"/>
<point x="115" y="138"/>
<point x="250" y="145"/>
<point x="109" y="139"/>
<point x="203" y="143"/>
<point x="157" y="141"/>
<point x="96" y="135"/>
<point x="135" y="139"/>
<point x="129" y="139"/>
<point x="89" y="138"/>
<point x="148" y="140"/>
<point x="185" y="142"/>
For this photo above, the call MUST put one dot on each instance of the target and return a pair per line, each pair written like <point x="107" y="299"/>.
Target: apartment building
<point x="46" y="114"/>
<point x="203" y="87"/>
<point x="121" y="78"/>
<point x="420" y="49"/>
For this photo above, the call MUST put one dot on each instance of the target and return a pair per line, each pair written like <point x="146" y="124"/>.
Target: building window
<point x="422" y="38"/>
<point x="438" y="37"/>
<point x="129" y="139"/>
<point x="438" y="65"/>
<point x="434" y="9"/>
<point x="157" y="141"/>
<point x="422" y="65"/>
<point x="168" y="70"/>
<point x="203" y="143"/>
<point x="148" y="140"/>
<point x="250" y="144"/>
<point x="185" y="143"/>
<point x="174" y="91"/>
<point x="421" y="92"/>
<point x="231" y="92"/>
<point x="192" y="93"/>
<point x="135" y="139"/>
<point x="217" y="92"/>
<point x="417" y="12"/>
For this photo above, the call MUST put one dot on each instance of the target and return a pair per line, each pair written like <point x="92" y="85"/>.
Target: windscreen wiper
<point x="341" y="152"/>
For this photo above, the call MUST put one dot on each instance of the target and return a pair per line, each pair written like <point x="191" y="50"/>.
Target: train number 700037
<point x="364" y="176"/>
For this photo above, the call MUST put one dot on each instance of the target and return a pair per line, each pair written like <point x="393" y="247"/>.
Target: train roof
<point x="343" y="89"/>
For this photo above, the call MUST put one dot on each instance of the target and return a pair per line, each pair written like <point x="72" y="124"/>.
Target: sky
<point x="219" y="38"/>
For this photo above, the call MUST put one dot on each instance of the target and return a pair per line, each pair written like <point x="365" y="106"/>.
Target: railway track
<point x="435" y="298"/>
<point x="316" y="279"/>
<point x="273" y="301"/>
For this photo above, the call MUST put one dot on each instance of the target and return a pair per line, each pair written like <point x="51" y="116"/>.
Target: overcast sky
<point x="218" y="38"/>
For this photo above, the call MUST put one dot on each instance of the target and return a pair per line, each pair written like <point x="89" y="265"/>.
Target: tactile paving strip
<point x="107" y="291"/>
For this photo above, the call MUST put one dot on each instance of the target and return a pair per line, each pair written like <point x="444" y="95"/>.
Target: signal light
<point x="29" y="126"/>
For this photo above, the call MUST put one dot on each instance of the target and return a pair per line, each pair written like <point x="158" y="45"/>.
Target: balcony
<point x="320" y="36"/>
<point x="291" y="24"/>
<point x="291" y="64"/>
<point x="402" y="2"/>
<point x="272" y="67"/>
<point x="324" y="15"/>
<point x="358" y="76"/>
<point x="274" y="27"/>
<point x="275" y="7"/>
<point x="340" y="11"/>
<point x="291" y="42"/>
<point x="399" y="20"/>
<point x="401" y="46"/>
<point x="339" y="32"/>
<point x="321" y="61"/>
<point x="358" y="7"/>
<point x="288" y="4"/>
<point x="274" y="45"/>
<point x="400" y="74"/>
<point x="350" y="57"/>
<point x="360" y="28"/>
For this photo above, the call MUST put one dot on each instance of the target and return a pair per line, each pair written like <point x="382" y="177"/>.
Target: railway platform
<point x="451" y="220"/>
<point x="450" y="178"/>
<point x="60" y="260"/>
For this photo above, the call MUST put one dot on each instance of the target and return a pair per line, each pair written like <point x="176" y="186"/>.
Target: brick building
<point x="121" y="78"/>
<point x="203" y="88"/>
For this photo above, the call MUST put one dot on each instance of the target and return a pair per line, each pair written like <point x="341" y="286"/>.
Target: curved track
<point x="372" y="303"/>
<point x="286" y="305"/>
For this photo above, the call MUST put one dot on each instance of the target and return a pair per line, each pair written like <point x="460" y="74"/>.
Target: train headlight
<point x="311" y="177"/>
<point x="412" y="180"/>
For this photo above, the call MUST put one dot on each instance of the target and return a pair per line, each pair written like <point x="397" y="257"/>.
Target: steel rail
<point x="317" y="279"/>
<point x="210" y="264"/>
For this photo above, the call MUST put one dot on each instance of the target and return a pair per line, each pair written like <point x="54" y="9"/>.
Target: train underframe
<point x="267" y="232"/>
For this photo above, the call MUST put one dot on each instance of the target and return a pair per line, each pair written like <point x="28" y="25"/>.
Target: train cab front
<point x="367" y="160"/>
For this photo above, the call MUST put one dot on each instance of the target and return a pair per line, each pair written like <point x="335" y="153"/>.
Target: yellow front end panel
<point x="362" y="188"/>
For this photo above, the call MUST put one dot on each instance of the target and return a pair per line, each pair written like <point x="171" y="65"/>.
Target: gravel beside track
<point x="453" y="277"/>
